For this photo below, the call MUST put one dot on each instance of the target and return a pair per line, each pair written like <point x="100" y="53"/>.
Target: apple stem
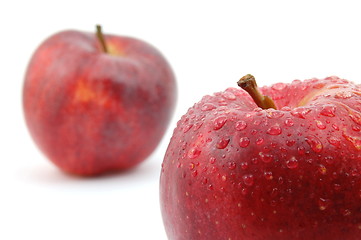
<point x="248" y="83"/>
<point x="101" y="39"/>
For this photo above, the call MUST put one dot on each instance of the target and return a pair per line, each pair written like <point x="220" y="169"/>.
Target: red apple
<point x="97" y="103"/>
<point x="237" y="171"/>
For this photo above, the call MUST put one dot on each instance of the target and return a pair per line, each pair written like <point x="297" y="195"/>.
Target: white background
<point x="210" y="45"/>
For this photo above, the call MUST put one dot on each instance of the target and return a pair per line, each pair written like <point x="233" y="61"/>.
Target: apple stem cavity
<point x="101" y="38"/>
<point x="248" y="83"/>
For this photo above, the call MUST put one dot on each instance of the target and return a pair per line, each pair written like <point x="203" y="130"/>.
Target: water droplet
<point x="274" y="130"/>
<point x="274" y="192"/>
<point x="214" y="169"/>
<point x="292" y="163"/>
<point x="244" y="142"/>
<point x="212" y="160"/>
<point x="289" y="122"/>
<point x="323" y="203"/>
<point x="300" y="112"/>
<point x="356" y="141"/>
<point x="248" y="179"/>
<point x="322" y="169"/>
<point x="346" y="212"/>
<point x="232" y="165"/>
<point x="278" y="86"/>
<point x="290" y="143"/>
<point x="328" y="111"/>
<point x="337" y="187"/>
<point x="355" y="116"/>
<point x="266" y="158"/>
<point x="222" y="143"/>
<point x="194" y="153"/>
<point x="197" y="125"/>
<point x="286" y="109"/>
<point x="187" y="127"/>
<point x="320" y="124"/>
<point x="314" y="143"/>
<point x="268" y="175"/>
<point x="274" y="114"/>
<point x="343" y="94"/>
<point x="229" y="95"/>
<point x="319" y="85"/>
<point x="240" y="125"/>
<point x="219" y="122"/>
<point x="257" y="122"/>
<point x="191" y="166"/>
<point x="301" y="150"/>
<point x="224" y="178"/>
<point x="356" y="128"/>
<point x="329" y="160"/>
<point x="335" y="127"/>
<point x="208" y="107"/>
<point x="259" y="141"/>
<point x="244" y="165"/>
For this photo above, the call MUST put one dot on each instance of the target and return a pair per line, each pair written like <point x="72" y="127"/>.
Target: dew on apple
<point x="278" y="86"/>
<point x="323" y="203"/>
<point x="300" y="112"/>
<point x="219" y="122"/>
<point x="356" y="141"/>
<point x="248" y="179"/>
<point x="343" y="94"/>
<point x="268" y="175"/>
<point x="212" y="160"/>
<point x="289" y="122"/>
<point x="187" y="128"/>
<point x="274" y="130"/>
<point x="244" y="165"/>
<point x="208" y="107"/>
<point x="356" y="128"/>
<point x="292" y="163"/>
<point x="290" y="143"/>
<point x="240" y="125"/>
<point x="259" y="141"/>
<point x="334" y="126"/>
<point x="197" y="125"/>
<point x="229" y="95"/>
<point x="346" y="212"/>
<point x="244" y="142"/>
<point x="275" y="114"/>
<point x="232" y="165"/>
<point x="222" y="143"/>
<point x="328" y="110"/>
<point x="337" y="187"/>
<point x="355" y="116"/>
<point x="320" y="124"/>
<point x="266" y="158"/>
<point x="194" y="153"/>
<point x="314" y="143"/>
<point x="257" y="122"/>
<point x="322" y="169"/>
<point x="301" y="150"/>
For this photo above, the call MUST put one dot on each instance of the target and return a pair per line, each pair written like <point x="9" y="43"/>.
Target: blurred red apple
<point x="96" y="103"/>
<point x="237" y="171"/>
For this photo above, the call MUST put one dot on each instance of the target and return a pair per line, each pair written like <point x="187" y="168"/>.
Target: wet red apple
<point x="96" y="103"/>
<point x="242" y="168"/>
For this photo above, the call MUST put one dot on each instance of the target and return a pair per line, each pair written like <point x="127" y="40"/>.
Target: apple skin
<point x="235" y="171"/>
<point x="92" y="112"/>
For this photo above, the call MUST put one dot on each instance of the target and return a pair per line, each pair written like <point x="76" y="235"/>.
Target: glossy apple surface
<point x="235" y="171"/>
<point x="91" y="111"/>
